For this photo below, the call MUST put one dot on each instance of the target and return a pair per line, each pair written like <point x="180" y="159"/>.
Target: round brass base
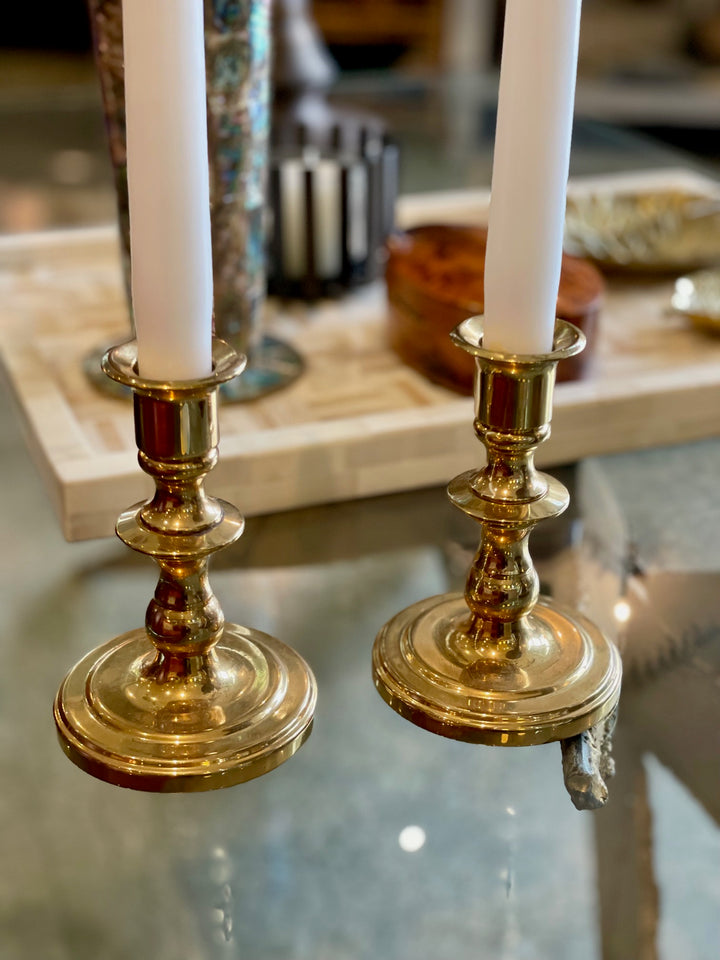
<point x="246" y="709"/>
<point x="565" y="678"/>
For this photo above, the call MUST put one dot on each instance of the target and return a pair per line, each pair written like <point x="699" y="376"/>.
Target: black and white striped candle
<point x="332" y="211"/>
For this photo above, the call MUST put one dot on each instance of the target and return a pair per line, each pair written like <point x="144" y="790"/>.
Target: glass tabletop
<point x="378" y="840"/>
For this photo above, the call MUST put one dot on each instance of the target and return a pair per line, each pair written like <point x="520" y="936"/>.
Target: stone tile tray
<point x="359" y="422"/>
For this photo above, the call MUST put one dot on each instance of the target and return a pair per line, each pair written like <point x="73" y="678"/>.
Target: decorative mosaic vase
<point x="237" y="50"/>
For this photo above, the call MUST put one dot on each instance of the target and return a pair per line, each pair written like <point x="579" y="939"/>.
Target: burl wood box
<point x="435" y="280"/>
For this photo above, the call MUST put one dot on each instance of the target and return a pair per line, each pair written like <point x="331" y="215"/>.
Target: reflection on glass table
<point x="378" y="840"/>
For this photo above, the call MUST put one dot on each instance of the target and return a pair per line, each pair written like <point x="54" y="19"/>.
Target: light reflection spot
<point x="411" y="839"/>
<point x="622" y="611"/>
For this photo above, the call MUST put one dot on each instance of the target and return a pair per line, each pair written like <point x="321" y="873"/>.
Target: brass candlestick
<point x="500" y="665"/>
<point x="187" y="703"/>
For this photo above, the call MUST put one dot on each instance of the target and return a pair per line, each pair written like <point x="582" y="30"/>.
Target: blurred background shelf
<point x="637" y="71"/>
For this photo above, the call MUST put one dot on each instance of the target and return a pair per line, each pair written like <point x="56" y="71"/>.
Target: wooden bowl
<point x="435" y="280"/>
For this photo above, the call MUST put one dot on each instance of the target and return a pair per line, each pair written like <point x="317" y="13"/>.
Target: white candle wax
<point x="530" y="171"/>
<point x="357" y="238"/>
<point x="168" y="187"/>
<point x="292" y="219"/>
<point x="327" y="220"/>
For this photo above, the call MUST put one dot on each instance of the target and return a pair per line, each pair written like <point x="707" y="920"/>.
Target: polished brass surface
<point x="697" y="297"/>
<point x="500" y="665"/>
<point x="548" y="681"/>
<point x="127" y="717"/>
<point x="275" y="365"/>
<point x="188" y="703"/>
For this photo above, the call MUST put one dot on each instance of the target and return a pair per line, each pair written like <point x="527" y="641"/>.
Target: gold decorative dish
<point x="697" y="297"/>
<point x="658" y="230"/>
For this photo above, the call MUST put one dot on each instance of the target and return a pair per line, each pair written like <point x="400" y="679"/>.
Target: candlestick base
<point x="241" y="712"/>
<point x="562" y="679"/>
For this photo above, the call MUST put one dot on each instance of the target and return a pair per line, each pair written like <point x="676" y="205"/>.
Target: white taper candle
<point x="168" y="187"/>
<point x="530" y="171"/>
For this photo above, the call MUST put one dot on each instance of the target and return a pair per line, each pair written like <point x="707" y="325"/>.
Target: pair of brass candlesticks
<point x="207" y="705"/>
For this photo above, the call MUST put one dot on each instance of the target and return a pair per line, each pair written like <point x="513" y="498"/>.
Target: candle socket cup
<point x="189" y="702"/>
<point x="501" y="665"/>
